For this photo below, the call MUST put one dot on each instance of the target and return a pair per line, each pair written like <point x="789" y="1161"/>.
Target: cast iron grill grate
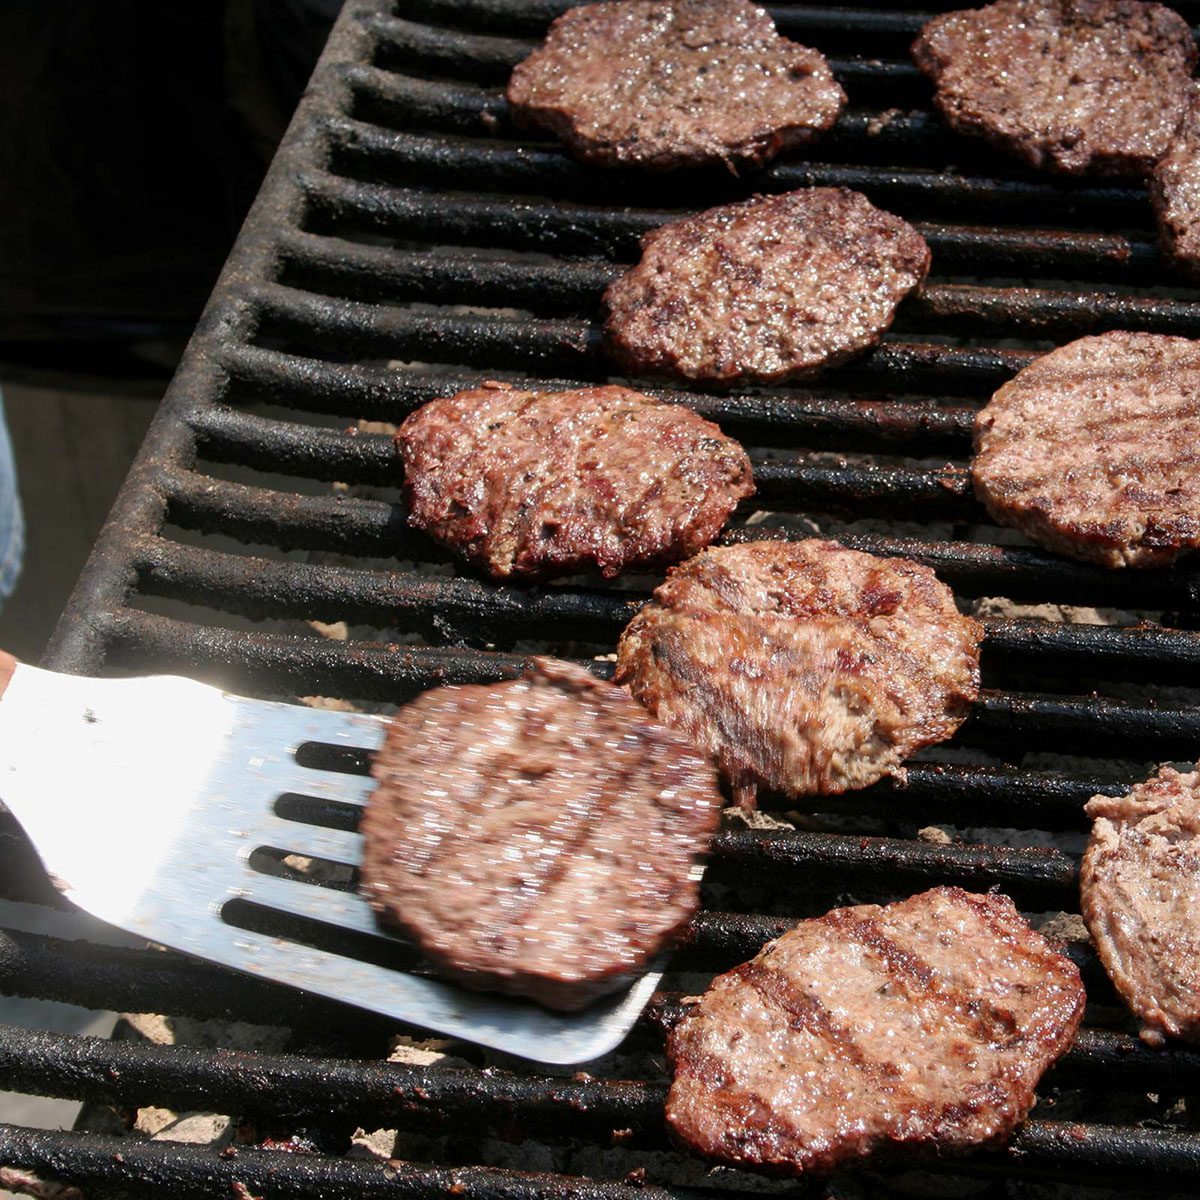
<point x="409" y="242"/>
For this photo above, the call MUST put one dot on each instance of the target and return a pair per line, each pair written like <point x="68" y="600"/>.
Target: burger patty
<point x="536" y="837"/>
<point x="770" y="288"/>
<point x="533" y="485"/>
<point x="674" y="83"/>
<point x="926" y="1023"/>
<point x="1175" y="193"/>
<point x="1140" y="881"/>
<point x="1092" y="449"/>
<point x="803" y="667"/>
<point x="1078" y="86"/>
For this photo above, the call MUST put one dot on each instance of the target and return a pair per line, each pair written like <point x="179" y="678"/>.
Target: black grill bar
<point x="369" y="273"/>
<point x="257" y="586"/>
<point x="348" y="327"/>
<point x="559" y="344"/>
<point x="1029" y="875"/>
<point x="532" y="16"/>
<point x="1038" y="312"/>
<point x="365" y="151"/>
<point x="262" y="663"/>
<point x="357" y="389"/>
<point x="342" y="389"/>
<point x="1103" y="1155"/>
<point x="260" y="587"/>
<point x="132" y="980"/>
<point x="362" y="272"/>
<point x="529" y="18"/>
<point x="520" y="222"/>
<point x="488" y="59"/>
<point x="438" y="1099"/>
<point x="425" y="105"/>
<point x="1021" y="574"/>
<point x="589" y="230"/>
<point x="227" y="435"/>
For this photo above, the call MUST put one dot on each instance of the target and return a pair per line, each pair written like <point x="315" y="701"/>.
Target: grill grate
<point x="402" y="223"/>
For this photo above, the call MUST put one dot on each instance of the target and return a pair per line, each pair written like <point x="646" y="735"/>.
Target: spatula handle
<point x="8" y="665"/>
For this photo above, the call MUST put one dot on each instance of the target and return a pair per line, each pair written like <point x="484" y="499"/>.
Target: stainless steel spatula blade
<point x="146" y="799"/>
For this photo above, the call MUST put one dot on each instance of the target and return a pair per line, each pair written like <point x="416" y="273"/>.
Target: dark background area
<point x="133" y="137"/>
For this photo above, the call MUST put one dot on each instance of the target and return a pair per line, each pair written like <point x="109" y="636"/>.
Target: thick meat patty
<point x="674" y="83"/>
<point x="1141" y="899"/>
<point x="1094" y="449"/>
<point x="531" y="485"/>
<point x="926" y="1023"/>
<point x="766" y="289"/>
<point x="1078" y="86"/>
<point x="803" y="667"/>
<point x="536" y="837"/>
<point x="1175" y="193"/>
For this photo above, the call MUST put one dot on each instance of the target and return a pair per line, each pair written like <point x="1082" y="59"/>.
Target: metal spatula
<point x="146" y="798"/>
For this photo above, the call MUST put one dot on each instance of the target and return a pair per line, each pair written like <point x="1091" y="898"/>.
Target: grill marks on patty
<point x="922" y="1023"/>
<point x="1140" y="881"/>
<point x="533" y="485"/>
<point x="537" y="837"/>
<point x="1094" y="449"/>
<point x="1078" y="86"/>
<point x="663" y="84"/>
<point x="803" y="667"/>
<point x="764" y="290"/>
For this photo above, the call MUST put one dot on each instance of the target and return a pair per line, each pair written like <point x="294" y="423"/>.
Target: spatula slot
<point x="380" y="948"/>
<point x="309" y="810"/>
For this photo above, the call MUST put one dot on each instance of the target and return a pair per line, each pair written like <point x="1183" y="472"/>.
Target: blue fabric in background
<point x="12" y="520"/>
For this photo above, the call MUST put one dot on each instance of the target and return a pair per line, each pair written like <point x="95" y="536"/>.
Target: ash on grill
<point x="408" y="243"/>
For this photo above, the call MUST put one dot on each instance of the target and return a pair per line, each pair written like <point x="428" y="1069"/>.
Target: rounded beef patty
<point x="803" y="667"/>
<point x="770" y="288"/>
<point x="1175" y="193"/>
<point x="536" y="837"/>
<point x="1078" y="86"/>
<point x="925" y="1023"/>
<point x="533" y="485"/>
<point x="674" y="83"/>
<point x="1140" y="881"/>
<point x="1092" y="449"/>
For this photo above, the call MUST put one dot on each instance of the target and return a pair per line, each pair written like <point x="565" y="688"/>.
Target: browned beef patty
<point x="1141" y="899"/>
<point x="769" y="288"/>
<point x="803" y="667"/>
<point x="536" y="837"/>
<point x="926" y="1023"/>
<point x="531" y="485"/>
<point x="1094" y="449"/>
<point x="674" y="83"/>
<point x="1078" y="86"/>
<point x="1175" y="193"/>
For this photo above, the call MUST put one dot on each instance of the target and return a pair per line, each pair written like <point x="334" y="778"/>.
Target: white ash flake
<point x="735" y="814"/>
<point x="377" y="1143"/>
<point x="191" y="1128"/>
<point x="935" y="835"/>
<point x="424" y="1052"/>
